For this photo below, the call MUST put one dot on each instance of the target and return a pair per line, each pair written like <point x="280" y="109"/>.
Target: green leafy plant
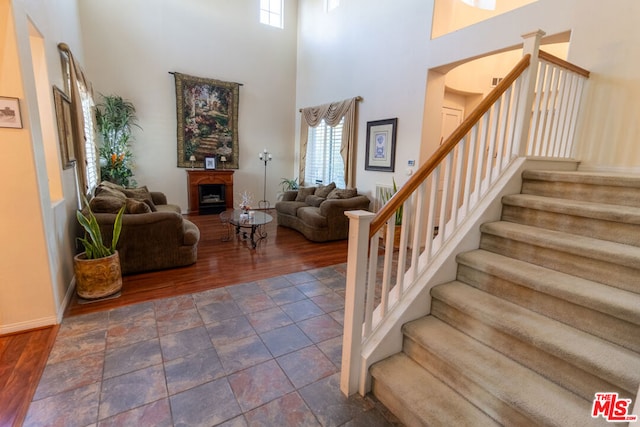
<point x="92" y="241"/>
<point x="115" y="118"/>
<point x="289" y="184"/>
<point x="386" y="196"/>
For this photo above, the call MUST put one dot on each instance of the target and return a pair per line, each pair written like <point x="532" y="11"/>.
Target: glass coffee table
<point x="255" y="221"/>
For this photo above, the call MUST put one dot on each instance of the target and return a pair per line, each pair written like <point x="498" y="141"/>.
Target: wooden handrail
<point x="562" y="63"/>
<point x="447" y="146"/>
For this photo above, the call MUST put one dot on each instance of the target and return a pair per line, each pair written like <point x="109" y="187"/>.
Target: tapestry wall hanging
<point x="207" y="120"/>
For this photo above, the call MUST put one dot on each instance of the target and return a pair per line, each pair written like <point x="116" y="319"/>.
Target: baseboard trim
<point x="28" y="325"/>
<point x="67" y="299"/>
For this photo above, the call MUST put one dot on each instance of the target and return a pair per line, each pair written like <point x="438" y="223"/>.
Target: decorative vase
<point x="97" y="278"/>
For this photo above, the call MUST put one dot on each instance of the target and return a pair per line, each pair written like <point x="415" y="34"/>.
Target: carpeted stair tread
<point x="616" y="253"/>
<point x="603" y="359"/>
<point x="615" y="302"/>
<point x="420" y="396"/>
<point x="600" y="187"/>
<point x="590" y="178"/>
<point x="602" y="211"/>
<point x="470" y="365"/>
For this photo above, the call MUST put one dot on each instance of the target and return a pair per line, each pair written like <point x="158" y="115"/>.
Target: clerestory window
<point x="331" y="4"/>
<point x="271" y="13"/>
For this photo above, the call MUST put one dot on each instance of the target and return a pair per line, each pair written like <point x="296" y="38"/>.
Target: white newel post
<point x="530" y="45"/>
<point x="359" y="222"/>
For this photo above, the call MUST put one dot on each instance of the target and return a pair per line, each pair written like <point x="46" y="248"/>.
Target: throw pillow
<point x="343" y="193"/>
<point x="136" y="207"/>
<point x="324" y="190"/>
<point x="112" y="185"/>
<point x="313" y="200"/>
<point x="303" y="192"/>
<point x="109" y="192"/>
<point x="142" y="194"/>
<point x="106" y="204"/>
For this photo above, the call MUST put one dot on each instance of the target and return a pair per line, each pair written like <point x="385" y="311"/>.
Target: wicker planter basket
<point x="97" y="278"/>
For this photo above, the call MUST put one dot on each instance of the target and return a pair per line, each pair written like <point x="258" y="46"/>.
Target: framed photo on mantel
<point x="381" y="145"/>
<point x="209" y="163"/>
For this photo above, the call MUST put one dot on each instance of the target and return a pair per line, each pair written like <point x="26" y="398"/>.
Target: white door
<point x="451" y="119"/>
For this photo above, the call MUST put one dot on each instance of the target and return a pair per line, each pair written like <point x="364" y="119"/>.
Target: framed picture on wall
<point x="381" y="145"/>
<point x="209" y="162"/>
<point x="10" y="113"/>
<point x="63" y="120"/>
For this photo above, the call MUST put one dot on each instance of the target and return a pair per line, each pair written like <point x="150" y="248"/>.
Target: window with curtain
<point x="324" y="163"/>
<point x="82" y="120"/>
<point x="327" y="143"/>
<point x="90" y="143"/>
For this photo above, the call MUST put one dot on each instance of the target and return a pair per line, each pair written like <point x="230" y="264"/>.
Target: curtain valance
<point x="332" y="114"/>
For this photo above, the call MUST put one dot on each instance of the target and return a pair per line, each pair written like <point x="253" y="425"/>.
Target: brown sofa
<point x="318" y="212"/>
<point x="154" y="233"/>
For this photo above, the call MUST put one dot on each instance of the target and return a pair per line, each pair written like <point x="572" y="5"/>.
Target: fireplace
<point x="211" y="198"/>
<point x="216" y="199"/>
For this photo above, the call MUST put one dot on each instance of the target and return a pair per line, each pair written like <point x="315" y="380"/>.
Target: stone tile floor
<point x="264" y="353"/>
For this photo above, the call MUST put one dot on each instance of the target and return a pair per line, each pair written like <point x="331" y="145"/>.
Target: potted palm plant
<point x="386" y="196"/>
<point x="115" y="117"/>
<point x="97" y="269"/>
<point x="287" y="184"/>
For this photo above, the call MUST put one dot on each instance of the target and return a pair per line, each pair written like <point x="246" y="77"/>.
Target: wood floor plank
<point x="21" y="383"/>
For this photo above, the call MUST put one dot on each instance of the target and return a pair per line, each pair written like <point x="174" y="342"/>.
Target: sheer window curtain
<point x="83" y="122"/>
<point x="332" y="114"/>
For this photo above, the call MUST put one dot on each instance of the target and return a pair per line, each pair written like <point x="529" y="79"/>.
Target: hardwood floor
<point x="283" y="251"/>
<point x="22" y="360"/>
<point x="225" y="263"/>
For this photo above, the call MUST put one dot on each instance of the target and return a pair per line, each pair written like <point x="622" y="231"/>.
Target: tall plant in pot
<point x="97" y="269"/>
<point x="115" y="118"/>
<point x="386" y="196"/>
<point x="287" y="184"/>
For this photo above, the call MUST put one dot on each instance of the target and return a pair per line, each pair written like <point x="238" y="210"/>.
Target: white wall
<point x="604" y="40"/>
<point x="36" y="256"/>
<point x="383" y="53"/>
<point x="132" y="45"/>
<point x="370" y="48"/>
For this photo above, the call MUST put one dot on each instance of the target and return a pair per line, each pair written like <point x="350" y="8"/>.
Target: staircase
<point x="541" y="317"/>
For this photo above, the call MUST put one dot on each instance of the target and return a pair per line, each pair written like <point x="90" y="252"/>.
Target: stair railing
<point x="537" y="102"/>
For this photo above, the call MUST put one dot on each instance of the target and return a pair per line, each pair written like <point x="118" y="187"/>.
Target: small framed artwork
<point x="209" y="162"/>
<point x="381" y="145"/>
<point x="65" y="133"/>
<point x="10" y="113"/>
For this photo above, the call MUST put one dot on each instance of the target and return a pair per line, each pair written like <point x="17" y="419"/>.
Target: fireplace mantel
<point x="196" y="177"/>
